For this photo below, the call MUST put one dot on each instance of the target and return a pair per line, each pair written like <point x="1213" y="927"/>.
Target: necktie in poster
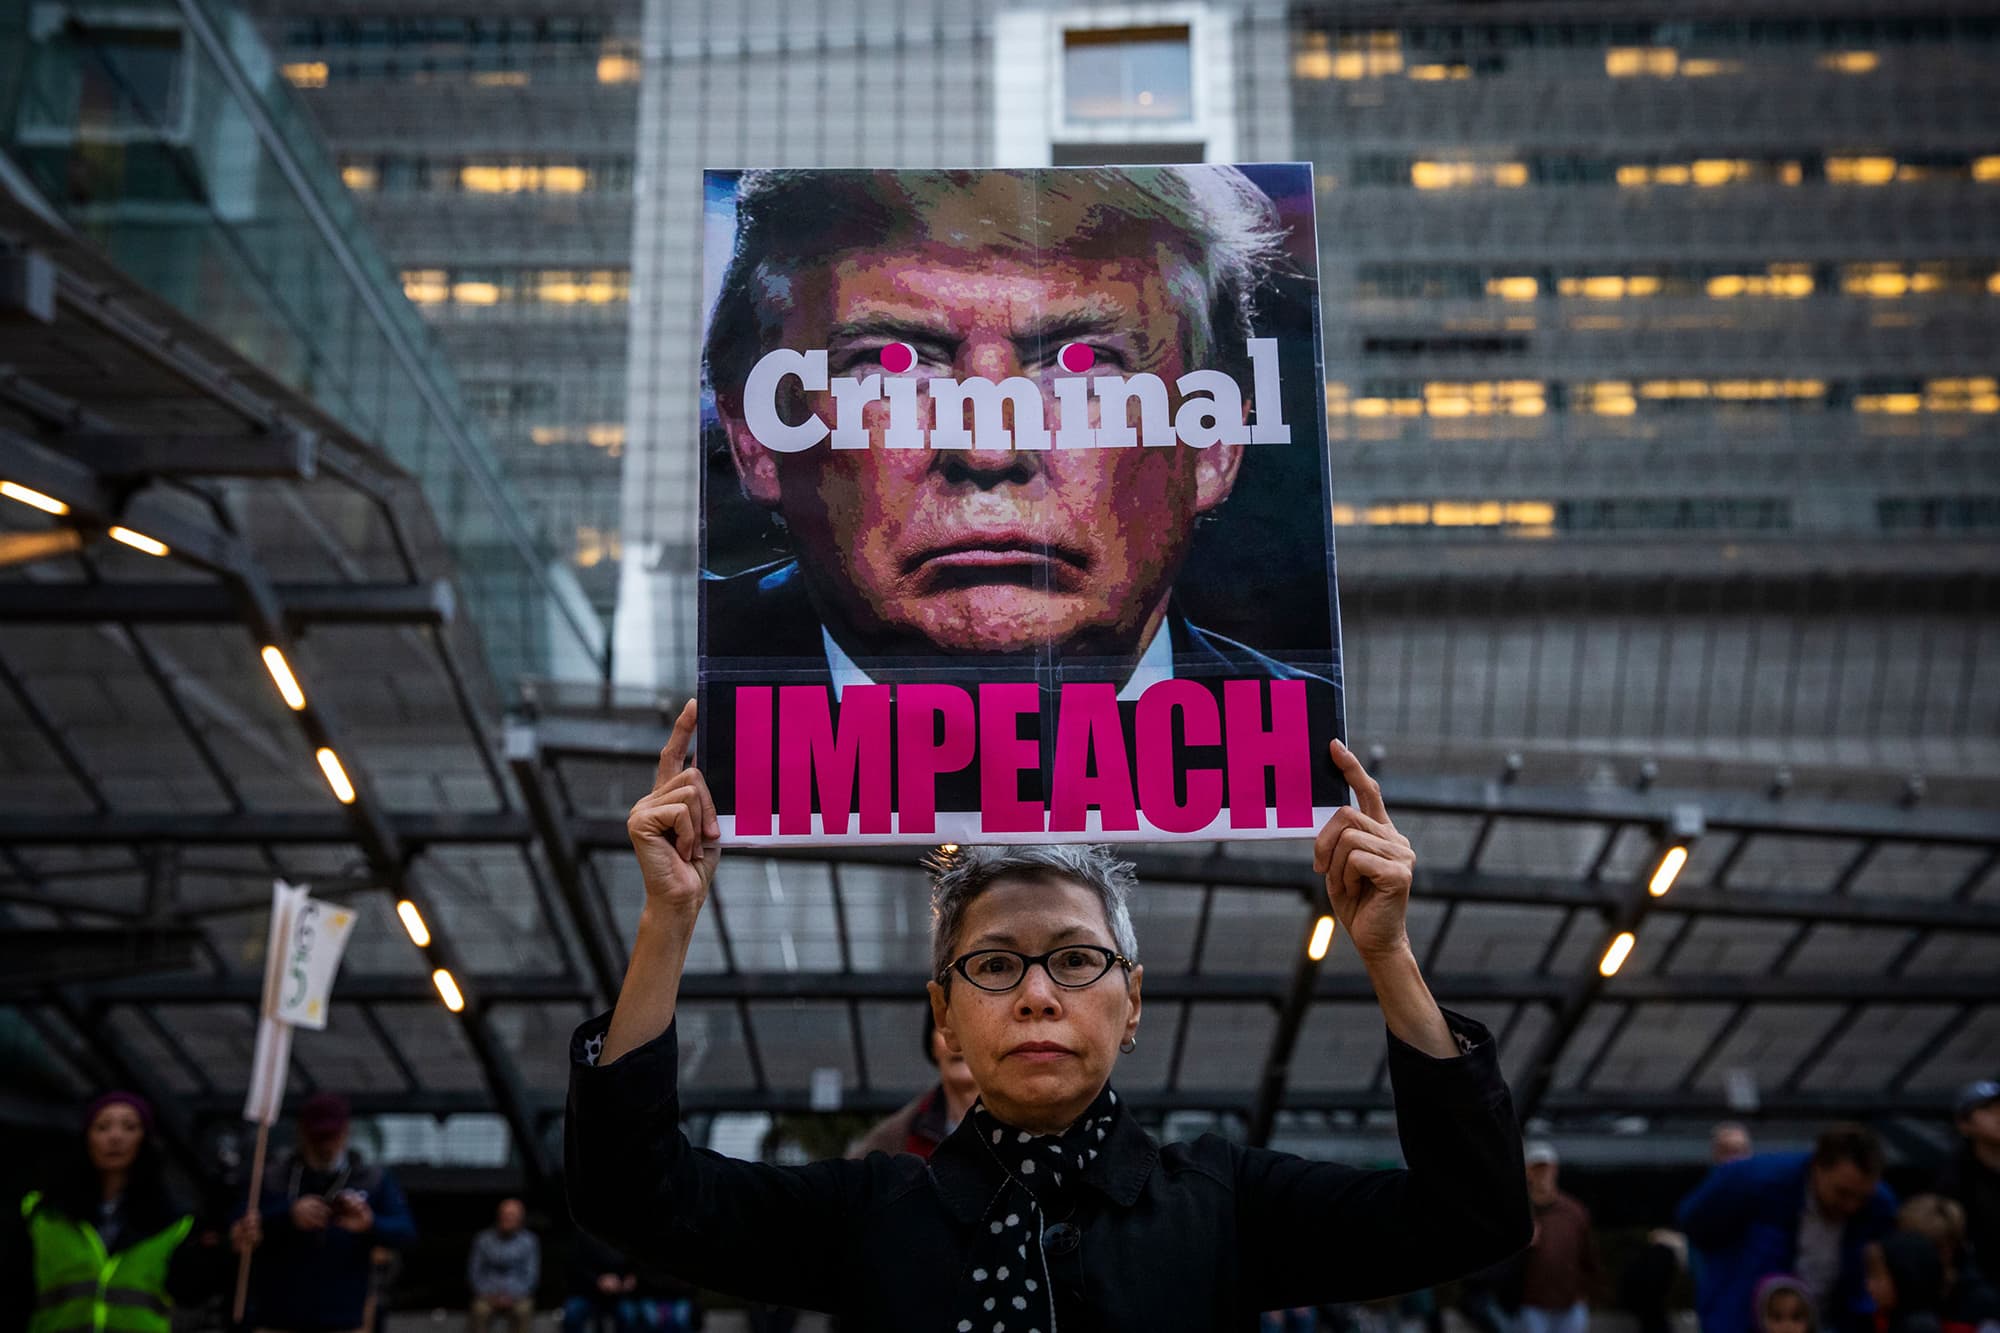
<point x="1016" y="512"/>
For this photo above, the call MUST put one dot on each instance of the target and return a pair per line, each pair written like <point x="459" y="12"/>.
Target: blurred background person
<point x="1972" y="1176"/>
<point x="922" y="1125"/>
<point x="1968" y="1303"/>
<point x="1905" y="1282"/>
<point x="105" y="1245"/>
<point x="504" y="1269"/>
<point x="1809" y="1214"/>
<point x="1785" y="1306"/>
<point x="1729" y="1142"/>
<point x="1562" y="1264"/>
<point x="324" y="1212"/>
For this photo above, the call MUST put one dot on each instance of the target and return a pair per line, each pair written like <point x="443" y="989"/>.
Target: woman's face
<point x="1039" y="1053"/>
<point x="1785" y="1312"/>
<point x="113" y="1137"/>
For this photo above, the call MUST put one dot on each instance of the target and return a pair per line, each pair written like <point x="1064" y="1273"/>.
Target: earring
<point x="1130" y="1044"/>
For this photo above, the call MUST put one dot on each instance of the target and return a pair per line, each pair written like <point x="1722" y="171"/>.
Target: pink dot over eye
<point x="1076" y="358"/>
<point x="898" y="357"/>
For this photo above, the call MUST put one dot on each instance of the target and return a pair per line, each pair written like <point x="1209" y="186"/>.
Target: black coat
<point x="1195" y="1236"/>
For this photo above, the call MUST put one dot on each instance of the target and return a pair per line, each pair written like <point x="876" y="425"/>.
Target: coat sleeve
<point x="1718" y="1210"/>
<point x="1317" y="1232"/>
<point x="757" y="1232"/>
<point x="395" y="1227"/>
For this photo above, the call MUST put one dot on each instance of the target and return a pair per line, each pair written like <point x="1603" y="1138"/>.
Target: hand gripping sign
<point x="1017" y="518"/>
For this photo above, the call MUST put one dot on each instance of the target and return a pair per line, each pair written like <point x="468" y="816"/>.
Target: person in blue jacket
<point x="323" y="1214"/>
<point x="1809" y="1214"/>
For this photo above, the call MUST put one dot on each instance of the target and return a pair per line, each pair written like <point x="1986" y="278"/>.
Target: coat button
<point x="1061" y="1238"/>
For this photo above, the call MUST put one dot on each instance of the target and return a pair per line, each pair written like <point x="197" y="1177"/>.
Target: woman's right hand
<point x="674" y="830"/>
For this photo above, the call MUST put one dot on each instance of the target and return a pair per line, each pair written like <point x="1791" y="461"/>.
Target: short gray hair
<point x="962" y="874"/>
<point x="1228" y="229"/>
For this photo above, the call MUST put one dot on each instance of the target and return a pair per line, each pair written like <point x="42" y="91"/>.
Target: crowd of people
<point x="105" y="1246"/>
<point x="1788" y="1242"/>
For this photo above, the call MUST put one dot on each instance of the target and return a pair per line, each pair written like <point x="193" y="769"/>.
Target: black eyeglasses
<point x="1072" y="966"/>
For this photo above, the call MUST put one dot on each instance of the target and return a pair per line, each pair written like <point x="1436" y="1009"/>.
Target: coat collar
<point x="966" y="1176"/>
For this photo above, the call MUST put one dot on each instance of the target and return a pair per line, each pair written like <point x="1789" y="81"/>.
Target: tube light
<point x="138" y="541"/>
<point x="281" y="673"/>
<point x="336" y="776"/>
<point x="48" y="504"/>
<point x="413" y="921"/>
<point x="1322" y="937"/>
<point x="1668" y="872"/>
<point x="448" y="990"/>
<point x="1614" y="957"/>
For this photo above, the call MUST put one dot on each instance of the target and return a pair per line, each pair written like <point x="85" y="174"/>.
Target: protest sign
<point x="1016" y="512"/>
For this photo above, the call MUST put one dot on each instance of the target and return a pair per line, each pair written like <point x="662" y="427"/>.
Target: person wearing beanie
<point x="103" y="1245"/>
<point x="1784" y="1305"/>
<point x="324" y="1213"/>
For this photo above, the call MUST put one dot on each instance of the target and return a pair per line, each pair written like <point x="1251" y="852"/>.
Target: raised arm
<point x="676" y="836"/>
<point x="1369" y="868"/>
<point x="1317" y="1232"/>
<point x="759" y="1232"/>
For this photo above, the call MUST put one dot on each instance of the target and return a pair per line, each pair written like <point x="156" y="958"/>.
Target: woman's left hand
<point x="1368" y="865"/>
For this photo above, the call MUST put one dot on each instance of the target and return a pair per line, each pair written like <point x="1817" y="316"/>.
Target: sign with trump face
<point x="1016" y="518"/>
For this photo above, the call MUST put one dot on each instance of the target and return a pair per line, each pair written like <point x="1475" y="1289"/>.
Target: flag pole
<point x="267" y="1085"/>
<point x="254" y="1209"/>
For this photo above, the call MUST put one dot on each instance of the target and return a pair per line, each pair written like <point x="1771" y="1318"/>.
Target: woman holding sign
<point x="1049" y="1207"/>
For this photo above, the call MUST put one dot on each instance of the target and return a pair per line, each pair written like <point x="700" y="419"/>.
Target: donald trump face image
<point x="1014" y="555"/>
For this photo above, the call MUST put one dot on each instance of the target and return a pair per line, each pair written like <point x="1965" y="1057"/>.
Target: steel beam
<point x="32" y="957"/>
<point x="1576" y="1108"/>
<point x="1220" y="988"/>
<point x="291" y="455"/>
<point x="565" y="862"/>
<point x="181" y="603"/>
<point x="1284" y="1041"/>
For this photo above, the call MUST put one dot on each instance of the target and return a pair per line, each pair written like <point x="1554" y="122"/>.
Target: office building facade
<point x="489" y="149"/>
<point x="1658" y="348"/>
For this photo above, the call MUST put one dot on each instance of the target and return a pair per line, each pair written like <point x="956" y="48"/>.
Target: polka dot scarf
<point x="1005" y="1288"/>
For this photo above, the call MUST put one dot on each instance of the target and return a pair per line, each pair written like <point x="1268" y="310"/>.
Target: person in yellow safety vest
<point x="101" y="1250"/>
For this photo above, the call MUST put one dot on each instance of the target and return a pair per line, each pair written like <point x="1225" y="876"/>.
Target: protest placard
<point x="1017" y="506"/>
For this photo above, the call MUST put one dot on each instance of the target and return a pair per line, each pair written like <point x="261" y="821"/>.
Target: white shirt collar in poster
<point x="1155" y="664"/>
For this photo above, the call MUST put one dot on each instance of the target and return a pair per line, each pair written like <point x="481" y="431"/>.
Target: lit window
<point x="426" y="286"/>
<point x="594" y="547"/>
<point x="1112" y="74"/>
<point x="1986" y="169"/>
<point x="476" y="293"/>
<point x="358" y="176"/>
<point x="1850" y="62"/>
<point x="1520" y="398"/>
<point x="306" y="74"/>
<point x="520" y="178"/>
<point x="501" y="78"/>
<point x="1453" y="175"/>
<point x="1360" y="55"/>
<point x="1861" y="170"/>
<point x="619" y="63"/>
<point x="1626" y="62"/>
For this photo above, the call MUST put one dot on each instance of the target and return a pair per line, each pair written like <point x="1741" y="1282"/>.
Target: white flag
<point x="273" y="1057"/>
<point x="316" y="937"/>
<point x="301" y="954"/>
